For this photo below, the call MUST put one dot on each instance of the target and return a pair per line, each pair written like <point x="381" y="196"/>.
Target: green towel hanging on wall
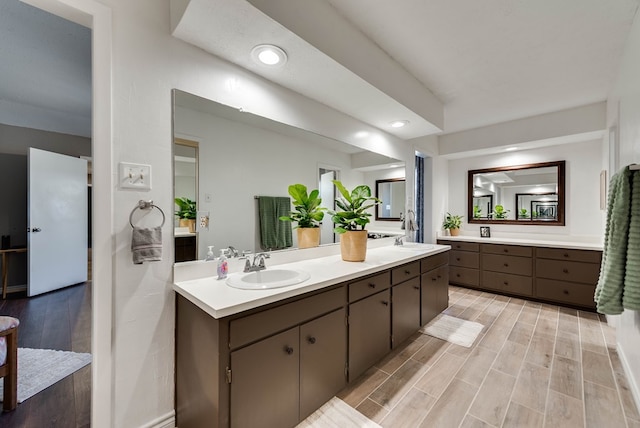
<point x="274" y="234"/>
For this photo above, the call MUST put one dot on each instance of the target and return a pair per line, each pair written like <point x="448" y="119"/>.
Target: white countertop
<point x="575" y="245"/>
<point x="220" y="300"/>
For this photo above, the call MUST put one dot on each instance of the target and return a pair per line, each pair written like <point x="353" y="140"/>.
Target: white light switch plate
<point x="134" y="176"/>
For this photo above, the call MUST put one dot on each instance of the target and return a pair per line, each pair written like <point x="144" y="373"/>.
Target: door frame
<point x="97" y="16"/>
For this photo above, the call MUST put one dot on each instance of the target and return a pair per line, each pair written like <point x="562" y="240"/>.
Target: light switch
<point x="135" y="176"/>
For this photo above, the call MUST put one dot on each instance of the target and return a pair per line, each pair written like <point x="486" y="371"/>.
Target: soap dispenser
<point x="210" y="255"/>
<point x="223" y="267"/>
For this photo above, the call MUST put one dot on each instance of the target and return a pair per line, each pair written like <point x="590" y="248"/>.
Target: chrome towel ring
<point x="146" y="205"/>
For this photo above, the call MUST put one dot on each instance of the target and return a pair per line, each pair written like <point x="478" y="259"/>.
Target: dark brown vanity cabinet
<point x="281" y="380"/>
<point x="274" y="365"/>
<point x="369" y="322"/>
<point x="405" y="297"/>
<point x="434" y="286"/>
<point x="559" y="275"/>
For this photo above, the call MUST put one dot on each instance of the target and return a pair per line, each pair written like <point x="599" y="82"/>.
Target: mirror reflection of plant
<point x="186" y="208"/>
<point x="524" y="213"/>
<point x="477" y="211"/>
<point x="499" y="212"/>
<point x="354" y="206"/>
<point x="307" y="210"/>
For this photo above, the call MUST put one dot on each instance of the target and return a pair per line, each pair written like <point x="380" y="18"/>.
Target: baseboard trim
<point x="165" y="421"/>
<point x="633" y="386"/>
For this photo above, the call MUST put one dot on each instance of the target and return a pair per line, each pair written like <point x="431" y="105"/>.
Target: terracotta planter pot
<point x="454" y="232"/>
<point x="353" y="245"/>
<point x="308" y="237"/>
<point x="190" y="223"/>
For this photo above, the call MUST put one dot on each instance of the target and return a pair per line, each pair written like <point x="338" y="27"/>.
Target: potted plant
<point x="452" y="223"/>
<point x="307" y="213"/>
<point x="186" y="213"/>
<point x="350" y="222"/>
<point x="499" y="212"/>
<point x="523" y="213"/>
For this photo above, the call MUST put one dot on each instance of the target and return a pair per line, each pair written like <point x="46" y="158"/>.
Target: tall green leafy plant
<point x="307" y="210"/>
<point x="353" y="206"/>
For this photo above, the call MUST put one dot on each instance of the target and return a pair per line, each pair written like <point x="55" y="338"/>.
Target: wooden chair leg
<point x="10" y="398"/>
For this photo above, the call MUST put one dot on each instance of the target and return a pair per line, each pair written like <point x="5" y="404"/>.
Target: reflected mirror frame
<point x="377" y="210"/>
<point x="561" y="194"/>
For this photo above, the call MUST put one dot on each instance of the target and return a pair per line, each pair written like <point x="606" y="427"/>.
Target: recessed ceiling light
<point x="269" y="55"/>
<point x="510" y="149"/>
<point x="399" y="123"/>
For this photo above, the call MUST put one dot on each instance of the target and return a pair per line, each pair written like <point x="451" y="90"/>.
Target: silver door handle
<point x="36" y="229"/>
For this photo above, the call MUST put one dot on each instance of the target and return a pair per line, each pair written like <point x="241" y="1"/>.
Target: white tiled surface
<point x="219" y="300"/>
<point x="560" y="243"/>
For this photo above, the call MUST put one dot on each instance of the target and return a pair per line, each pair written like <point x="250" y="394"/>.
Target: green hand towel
<point x="608" y="295"/>
<point x="631" y="292"/>
<point x="274" y="234"/>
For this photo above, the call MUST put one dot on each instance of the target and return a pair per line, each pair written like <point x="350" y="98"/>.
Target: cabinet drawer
<point x="262" y="324"/>
<point x="464" y="259"/>
<point x="586" y="273"/>
<point x="368" y="286"/>
<point x="434" y="261"/>
<point x="570" y="255"/>
<point x="515" y="284"/>
<point x="510" y="250"/>
<point x="405" y="272"/>
<point x="507" y="264"/>
<point x="566" y="292"/>
<point x="464" y="276"/>
<point x="462" y="246"/>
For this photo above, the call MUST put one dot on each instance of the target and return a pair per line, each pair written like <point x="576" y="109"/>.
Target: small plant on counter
<point x="524" y="213"/>
<point x="452" y="222"/>
<point x="307" y="210"/>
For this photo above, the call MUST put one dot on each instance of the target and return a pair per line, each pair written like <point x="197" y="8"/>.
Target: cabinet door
<point x="405" y="310"/>
<point x="264" y="382"/>
<point x="323" y="357"/>
<point x="435" y="293"/>
<point x="369" y="332"/>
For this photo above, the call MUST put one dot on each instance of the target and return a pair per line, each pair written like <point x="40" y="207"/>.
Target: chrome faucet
<point x="232" y="252"/>
<point x="258" y="263"/>
<point x="398" y="241"/>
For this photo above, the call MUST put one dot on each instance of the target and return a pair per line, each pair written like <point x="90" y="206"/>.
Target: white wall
<point x="238" y="161"/>
<point x="624" y="113"/>
<point x="583" y="217"/>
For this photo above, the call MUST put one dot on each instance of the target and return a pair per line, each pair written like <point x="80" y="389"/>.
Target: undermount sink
<point x="267" y="279"/>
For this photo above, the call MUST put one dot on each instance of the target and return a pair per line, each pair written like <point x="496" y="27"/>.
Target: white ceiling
<point x="45" y="70"/>
<point x="481" y="62"/>
<point x="487" y="62"/>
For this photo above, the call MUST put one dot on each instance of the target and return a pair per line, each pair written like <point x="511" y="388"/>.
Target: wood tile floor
<point x="533" y="365"/>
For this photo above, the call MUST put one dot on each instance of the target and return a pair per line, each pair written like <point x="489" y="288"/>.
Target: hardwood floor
<point x="58" y="320"/>
<point x="534" y="365"/>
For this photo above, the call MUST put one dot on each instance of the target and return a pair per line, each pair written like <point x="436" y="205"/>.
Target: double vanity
<point x="269" y="354"/>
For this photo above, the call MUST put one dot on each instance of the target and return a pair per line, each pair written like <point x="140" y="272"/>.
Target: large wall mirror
<point x="531" y="194"/>
<point x="391" y="192"/>
<point x="242" y="156"/>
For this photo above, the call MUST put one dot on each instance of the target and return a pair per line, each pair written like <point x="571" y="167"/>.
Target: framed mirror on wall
<point x="391" y="192"/>
<point x="524" y="194"/>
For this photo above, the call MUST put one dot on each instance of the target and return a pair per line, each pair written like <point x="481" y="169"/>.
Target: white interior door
<point x="58" y="221"/>
<point x="327" y="193"/>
